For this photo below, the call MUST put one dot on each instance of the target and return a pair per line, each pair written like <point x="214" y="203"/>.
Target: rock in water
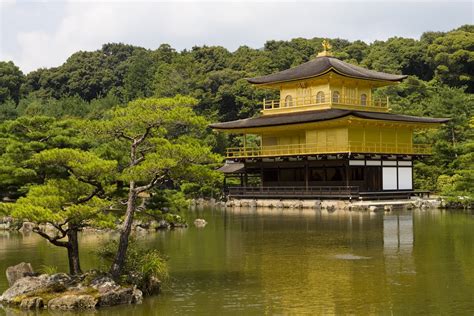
<point x="70" y="302"/>
<point x="162" y="224"/>
<point x="110" y="293"/>
<point x="137" y="296"/>
<point x="152" y="286"/>
<point x="32" y="303"/>
<point x="25" y="285"/>
<point x="27" y="227"/>
<point x="19" y="271"/>
<point x="200" y="223"/>
<point x="5" y="225"/>
<point x="63" y="292"/>
<point x="104" y="284"/>
<point x="349" y="256"/>
<point x="60" y="278"/>
<point x="373" y="208"/>
<point x="317" y="205"/>
<point x="116" y="297"/>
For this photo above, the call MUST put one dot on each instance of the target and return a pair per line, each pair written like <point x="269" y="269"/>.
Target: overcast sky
<point x="45" y="33"/>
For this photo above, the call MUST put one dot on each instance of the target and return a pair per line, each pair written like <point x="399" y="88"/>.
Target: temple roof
<point x="232" y="167"/>
<point x="319" y="116"/>
<point x="321" y="65"/>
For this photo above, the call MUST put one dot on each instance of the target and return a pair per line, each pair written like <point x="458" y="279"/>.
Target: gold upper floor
<point x="330" y="85"/>
<point x="328" y="91"/>
<point x="346" y="135"/>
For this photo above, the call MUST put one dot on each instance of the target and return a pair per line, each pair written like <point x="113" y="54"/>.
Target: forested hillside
<point x="45" y="105"/>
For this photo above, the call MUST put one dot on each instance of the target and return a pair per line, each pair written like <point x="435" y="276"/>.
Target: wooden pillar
<point x="366" y="178"/>
<point x="364" y="129"/>
<point x="369" y="101"/>
<point x="261" y="174"/>
<point x="306" y="174"/>
<point x="324" y="165"/>
<point x="379" y="145"/>
<point x="330" y="91"/>
<point x="396" y="139"/>
<point x="398" y="180"/>
<point x="357" y="101"/>
<point x="347" y="171"/>
<point x="278" y="175"/>
<point x="343" y="92"/>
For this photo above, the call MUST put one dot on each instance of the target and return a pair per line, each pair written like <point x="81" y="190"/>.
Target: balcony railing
<point x="331" y="99"/>
<point x="295" y="191"/>
<point x="313" y="149"/>
<point x="322" y="192"/>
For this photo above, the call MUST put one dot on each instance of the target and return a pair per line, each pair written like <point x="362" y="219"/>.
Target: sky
<point x="43" y="33"/>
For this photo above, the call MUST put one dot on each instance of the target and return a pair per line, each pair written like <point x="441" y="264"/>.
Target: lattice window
<point x="288" y="101"/>
<point x="336" y="96"/>
<point x="320" y="97"/>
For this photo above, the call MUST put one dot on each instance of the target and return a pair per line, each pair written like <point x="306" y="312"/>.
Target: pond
<point x="254" y="262"/>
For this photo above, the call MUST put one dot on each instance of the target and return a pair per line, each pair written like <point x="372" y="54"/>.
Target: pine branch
<point x="54" y="240"/>
<point x="152" y="183"/>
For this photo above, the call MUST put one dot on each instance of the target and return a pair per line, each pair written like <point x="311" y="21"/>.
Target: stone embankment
<point x="60" y="291"/>
<point x="8" y="223"/>
<point x="332" y="205"/>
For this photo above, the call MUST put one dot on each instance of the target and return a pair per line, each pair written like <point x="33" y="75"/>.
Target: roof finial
<point x="327" y="47"/>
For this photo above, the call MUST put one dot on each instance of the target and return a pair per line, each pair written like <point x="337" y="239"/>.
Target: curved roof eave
<point x="320" y="66"/>
<point x="320" y="116"/>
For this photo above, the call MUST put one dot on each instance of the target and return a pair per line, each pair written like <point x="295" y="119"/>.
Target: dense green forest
<point x="54" y="108"/>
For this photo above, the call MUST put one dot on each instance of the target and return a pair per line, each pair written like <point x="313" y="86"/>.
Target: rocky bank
<point x="60" y="291"/>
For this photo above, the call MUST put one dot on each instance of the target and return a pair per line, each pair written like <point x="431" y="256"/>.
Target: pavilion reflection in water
<point x="334" y="257"/>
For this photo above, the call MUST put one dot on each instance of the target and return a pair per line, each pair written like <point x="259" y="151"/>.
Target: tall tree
<point x="11" y="79"/>
<point x="67" y="203"/>
<point x="138" y="82"/>
<point x="453" y="57"/>
<point x="152" y="131"/>
<point x="20" y="139"/>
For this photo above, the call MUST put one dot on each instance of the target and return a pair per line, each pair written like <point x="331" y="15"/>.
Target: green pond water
<point x="263" y="262"/>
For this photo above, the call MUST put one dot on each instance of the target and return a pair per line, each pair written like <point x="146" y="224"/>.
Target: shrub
<point x="145" y="268"/>
<point x="47" y="269"/>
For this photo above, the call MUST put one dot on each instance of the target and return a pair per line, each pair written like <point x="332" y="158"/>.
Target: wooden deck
<point x="308" y="149"/>
<point x="319" y="192"/>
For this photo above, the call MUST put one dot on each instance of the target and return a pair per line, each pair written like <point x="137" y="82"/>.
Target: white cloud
<point x="46" y="38"/>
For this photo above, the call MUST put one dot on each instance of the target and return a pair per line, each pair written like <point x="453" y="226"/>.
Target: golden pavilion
<point x="326" y="136"/>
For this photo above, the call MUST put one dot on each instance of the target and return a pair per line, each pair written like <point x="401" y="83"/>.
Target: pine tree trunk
<point x="73" y="252"/>
<point x="119" y="260"/>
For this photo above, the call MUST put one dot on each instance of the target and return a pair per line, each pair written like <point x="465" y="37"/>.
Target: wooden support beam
<point x="306" y="174"/>
<point x="346" y="163"/>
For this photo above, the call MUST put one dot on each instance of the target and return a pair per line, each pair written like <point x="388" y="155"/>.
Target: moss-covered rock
<point x="63" y="292"/>
<point x="73" y="302"/>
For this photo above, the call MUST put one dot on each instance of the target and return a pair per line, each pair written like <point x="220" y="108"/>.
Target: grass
<point x="47" y="269"/>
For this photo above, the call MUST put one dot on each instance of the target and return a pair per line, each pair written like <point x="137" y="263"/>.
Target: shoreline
<point x="329" y="205"/>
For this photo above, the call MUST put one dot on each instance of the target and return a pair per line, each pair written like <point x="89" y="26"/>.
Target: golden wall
<point x="374" y="134"/>
<point x="340" y="136"/>
<point x="349" y="88"/>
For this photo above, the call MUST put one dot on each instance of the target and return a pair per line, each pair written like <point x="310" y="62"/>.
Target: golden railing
<point x="331" y="99"/>
<point x="311" y="149"/>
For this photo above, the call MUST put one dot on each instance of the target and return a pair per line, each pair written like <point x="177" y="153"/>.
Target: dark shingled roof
<point x="320" y="115"/>
<point x="233" y="167"/>
<point x="319" y="66"/>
